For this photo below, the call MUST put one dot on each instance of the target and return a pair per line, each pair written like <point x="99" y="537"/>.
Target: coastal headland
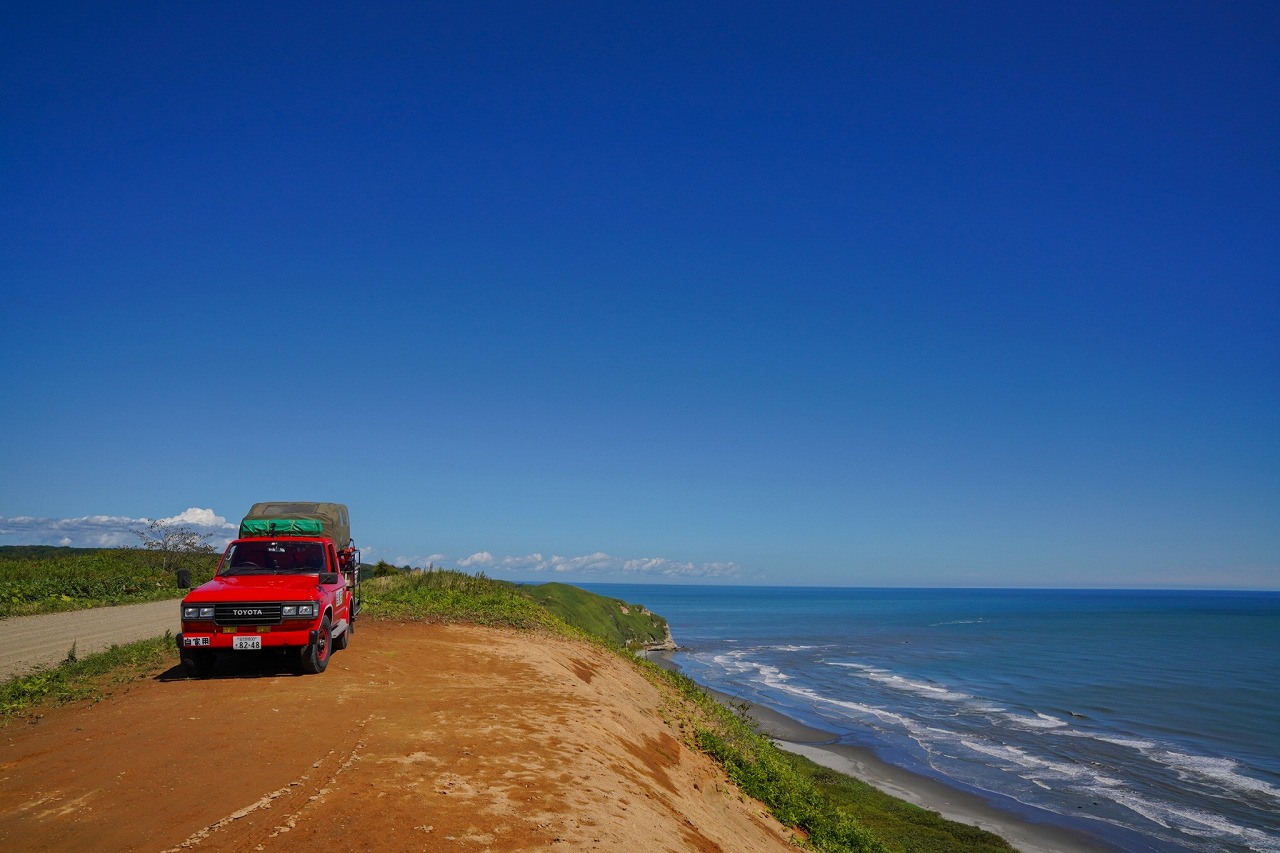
<point x="420" y="737"/>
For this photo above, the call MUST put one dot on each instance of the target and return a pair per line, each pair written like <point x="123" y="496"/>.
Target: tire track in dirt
<point x="299" y="794"/>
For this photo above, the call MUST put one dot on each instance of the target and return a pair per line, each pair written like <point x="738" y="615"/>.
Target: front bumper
<point x="212" y="637"/>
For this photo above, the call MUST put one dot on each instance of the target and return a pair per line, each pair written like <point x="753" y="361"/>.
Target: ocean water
<point x="1150" y="718"/>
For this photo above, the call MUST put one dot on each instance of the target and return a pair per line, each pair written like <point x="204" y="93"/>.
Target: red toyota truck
<point x="290" y="583"/>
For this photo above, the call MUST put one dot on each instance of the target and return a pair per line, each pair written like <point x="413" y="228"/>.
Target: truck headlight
<point x="197" y="611"/>
<point x="298" y="611"/>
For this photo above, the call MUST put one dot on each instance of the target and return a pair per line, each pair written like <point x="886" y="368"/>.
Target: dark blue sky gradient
<point x="913" y="294"/>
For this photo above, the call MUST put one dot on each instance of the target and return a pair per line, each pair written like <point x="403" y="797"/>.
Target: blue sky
<point x="912" y="294"/>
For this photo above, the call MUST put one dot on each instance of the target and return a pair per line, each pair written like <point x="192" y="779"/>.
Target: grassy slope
<point x="608" y="619"/>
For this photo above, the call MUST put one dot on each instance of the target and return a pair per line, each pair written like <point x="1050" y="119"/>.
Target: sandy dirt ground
<point x="418" y="737"/>
<point x="27" y="642"/>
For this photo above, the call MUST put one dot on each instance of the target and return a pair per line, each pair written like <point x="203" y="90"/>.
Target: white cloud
<point x="196" y="517"/>
<point x="596" y="565"/>
<point x="104" y="531"/>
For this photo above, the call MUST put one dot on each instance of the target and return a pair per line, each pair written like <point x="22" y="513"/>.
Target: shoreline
<point x="952" y="802"/>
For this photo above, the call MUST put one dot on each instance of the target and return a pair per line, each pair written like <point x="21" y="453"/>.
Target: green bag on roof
<point x="280" y="527"/>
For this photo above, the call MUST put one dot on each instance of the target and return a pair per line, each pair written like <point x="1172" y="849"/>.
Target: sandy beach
<point x="952" y="803"/>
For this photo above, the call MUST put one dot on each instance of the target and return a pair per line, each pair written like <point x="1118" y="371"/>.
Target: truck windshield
<point x="274" y="557"/>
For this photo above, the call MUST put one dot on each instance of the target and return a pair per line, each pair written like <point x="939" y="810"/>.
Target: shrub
<point x="72" y="579"/>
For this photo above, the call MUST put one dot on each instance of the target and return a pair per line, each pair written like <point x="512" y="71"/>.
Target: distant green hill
<point x="610" y="619"/>
<point x="42" y="552"/>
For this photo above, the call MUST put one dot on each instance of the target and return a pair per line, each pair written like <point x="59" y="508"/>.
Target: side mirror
<point x="328" y="577"/>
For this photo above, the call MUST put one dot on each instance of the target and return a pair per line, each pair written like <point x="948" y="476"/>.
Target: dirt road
<point x="418" y="737"/>
<point x="27" y="642"/>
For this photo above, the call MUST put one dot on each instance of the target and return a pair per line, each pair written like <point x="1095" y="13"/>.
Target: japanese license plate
<point x="246" y="642"/>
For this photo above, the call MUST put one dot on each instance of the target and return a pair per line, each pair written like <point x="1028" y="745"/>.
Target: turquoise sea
<point x="1150" y="718"/>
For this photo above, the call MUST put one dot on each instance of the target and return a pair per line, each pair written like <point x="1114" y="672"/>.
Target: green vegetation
<point x="609" y="619"/>
<point x="90" y="677"/>
<point x="41" y="579"/>
<point x="901" y="826"/>
<point x="449" y="596"/>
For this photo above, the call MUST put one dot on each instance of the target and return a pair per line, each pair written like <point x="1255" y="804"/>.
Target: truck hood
<point x="255" y="588"/>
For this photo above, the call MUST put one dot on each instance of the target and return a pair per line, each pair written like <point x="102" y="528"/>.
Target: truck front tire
<point x="315" y="657"/>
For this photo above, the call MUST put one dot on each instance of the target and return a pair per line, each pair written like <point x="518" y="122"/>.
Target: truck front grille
<point x="246" y="614"/>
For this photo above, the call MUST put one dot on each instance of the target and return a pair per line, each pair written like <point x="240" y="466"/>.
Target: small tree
<point x="174" y="548"/>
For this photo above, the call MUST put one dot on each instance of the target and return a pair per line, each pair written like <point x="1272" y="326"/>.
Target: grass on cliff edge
<point x="454" y="596"/>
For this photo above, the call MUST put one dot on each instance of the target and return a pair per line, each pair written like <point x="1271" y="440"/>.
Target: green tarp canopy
<point x="297" y="518"/>
<point x="280" y="527"/>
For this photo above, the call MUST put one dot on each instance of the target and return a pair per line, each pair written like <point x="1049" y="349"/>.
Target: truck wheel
<point x="199" y="664"/>
<point x="315" y="657"/>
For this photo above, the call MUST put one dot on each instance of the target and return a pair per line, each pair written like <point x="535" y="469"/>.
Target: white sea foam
<point x="1156" y="813"/>
<point x="1004" y="752"/>
<point x="1039" y="721"/>
<point x="1220" y="771"/>
<point x="850" y="665"/>
<point x="1130" y="742"/>
<point x="1048" y="774"/>
<point x="771" y="675"/>
<point x="898" y="682"/>
<point x="858" y="708"/>
<point x="732" y="662"/>
<point x="1196" y="822"/>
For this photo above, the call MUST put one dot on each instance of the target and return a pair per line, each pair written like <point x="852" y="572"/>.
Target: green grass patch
<point x="609" y="619"/>
<point x="902" y="827"/>
<point x="48" y="580"/>
<point x="450" y="596"/>
<point x="89" y="677"/>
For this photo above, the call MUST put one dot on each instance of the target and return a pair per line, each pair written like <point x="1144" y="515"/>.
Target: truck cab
<point x="284" y="585"/>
